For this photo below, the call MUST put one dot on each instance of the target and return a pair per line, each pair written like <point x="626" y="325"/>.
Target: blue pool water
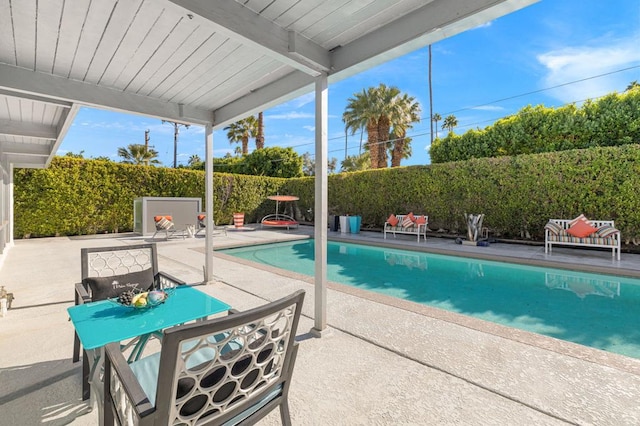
<point x="601" y="311"/>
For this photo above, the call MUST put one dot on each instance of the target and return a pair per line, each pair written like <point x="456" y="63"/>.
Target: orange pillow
<point x="393" y="220"/>
<point x="411" y="216"/>
<point x="421" y="220"/>
<point x="581" y="229"/>
<point x="159" y="218"/>
<point x="201" y="217"/>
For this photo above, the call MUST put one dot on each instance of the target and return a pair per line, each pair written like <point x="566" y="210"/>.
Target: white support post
<point x="208" y="268"/>
<point x="321" y="210"/>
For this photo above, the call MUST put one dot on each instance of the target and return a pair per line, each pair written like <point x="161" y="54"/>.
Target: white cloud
<point x="571" y="64"/>
<point x="309" y="128"/>
<point x="292" y="115"/>
<point x="303" y="100"/>
<point x="485" y="25"/>
<point x="489" y="108"/>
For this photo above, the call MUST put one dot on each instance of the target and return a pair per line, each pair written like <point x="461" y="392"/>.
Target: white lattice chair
<point x="101" y="267"/>
<point x="227" y="370"/>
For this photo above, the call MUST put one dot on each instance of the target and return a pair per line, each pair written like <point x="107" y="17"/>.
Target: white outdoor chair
<point x="229" y="370"/>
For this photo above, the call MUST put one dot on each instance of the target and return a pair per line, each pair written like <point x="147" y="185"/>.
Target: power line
<point x="545" y="89"/>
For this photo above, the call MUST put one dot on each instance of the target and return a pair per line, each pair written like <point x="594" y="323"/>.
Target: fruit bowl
<point x="142" y="299"/>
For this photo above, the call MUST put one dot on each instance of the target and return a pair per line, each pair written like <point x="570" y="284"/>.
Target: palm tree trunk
<point x="396" y="154"/>
<point x="260" y="135"/>
<point x="245" y="145"/>
<point x="384" y="127"/>
<point x="372" y="142"/>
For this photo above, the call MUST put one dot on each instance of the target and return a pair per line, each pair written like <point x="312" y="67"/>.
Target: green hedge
<point x="612" y="120"/>
<point x="517" y="194"/>
<point x="77" y="196"/>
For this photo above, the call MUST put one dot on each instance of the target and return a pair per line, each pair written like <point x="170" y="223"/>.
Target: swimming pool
<point x="600" y="311"/>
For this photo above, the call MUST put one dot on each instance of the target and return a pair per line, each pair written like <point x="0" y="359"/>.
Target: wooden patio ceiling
<point x="195" y="61"/>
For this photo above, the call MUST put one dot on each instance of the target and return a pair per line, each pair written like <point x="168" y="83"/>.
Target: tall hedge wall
<point x="612" y="120"/>
<point x="517" y="194"/>
<point x="76" y="196"/>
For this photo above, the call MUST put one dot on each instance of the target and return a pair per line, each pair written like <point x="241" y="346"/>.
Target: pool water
<point x="600" y="311"/>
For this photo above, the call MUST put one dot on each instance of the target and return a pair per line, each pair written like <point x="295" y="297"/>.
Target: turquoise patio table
<point x="103" y="322"/>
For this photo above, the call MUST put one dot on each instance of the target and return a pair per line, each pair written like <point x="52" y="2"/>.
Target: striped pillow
<point x="553" y="227"/>
<point x="579" y="218"/>
<point x="407" y="222"/>
<point x="163" y="223"/>
<point x="606" y="231"/>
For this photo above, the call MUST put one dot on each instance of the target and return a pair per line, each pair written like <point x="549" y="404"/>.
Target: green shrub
<point x="517" y="194"/>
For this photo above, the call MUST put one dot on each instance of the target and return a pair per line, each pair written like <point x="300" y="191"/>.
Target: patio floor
<point x="385" y="361"/>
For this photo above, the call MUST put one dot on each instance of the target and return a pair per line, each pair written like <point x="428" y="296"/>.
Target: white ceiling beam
<point x="433" y="22"/>
<point x="52" y="102"/>
<point x="25" y="160"/>
<point x="21" y="162"/>
<point x="32" y="130"/>
<point x="242" y="24"/>
<point x="63" y="126"/>
<point x="25" y="149"/>
<point x="35" y="83"/>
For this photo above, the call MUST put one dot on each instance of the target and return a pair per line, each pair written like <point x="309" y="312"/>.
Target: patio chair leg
<point x="86" y="390"/>
<point x="284" y="413"/>
<point x="76" y="347"/>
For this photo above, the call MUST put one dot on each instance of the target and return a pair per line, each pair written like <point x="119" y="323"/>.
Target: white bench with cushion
<point x="582" y="232"/>
<point x="407" y="224"/>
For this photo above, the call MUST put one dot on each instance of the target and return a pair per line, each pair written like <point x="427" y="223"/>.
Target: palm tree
<point x="450" y="122"/>
<point x="388" y="107"/>
<point x="435" y="118"/>
<point x="138" y="154"/>
<point x="361" y="113"/>
<point x="633" y="85"/>
<point x="260" y="132"/>
<point x="241" y="131"/>
<point x="194" y="160"/>
<point x="402" y="153"/>
<point x="377" y="109"/>
<point x="354" y="163"/>
<point x="406" y="112"/>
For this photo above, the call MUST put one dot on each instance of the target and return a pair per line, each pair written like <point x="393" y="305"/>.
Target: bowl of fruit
<point x="142" y="300"/>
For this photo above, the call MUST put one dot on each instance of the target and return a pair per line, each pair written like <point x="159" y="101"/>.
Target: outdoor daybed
<point x="407" y="224"/>
<point x="279" y="221"/>
<point x="582" y="232"/>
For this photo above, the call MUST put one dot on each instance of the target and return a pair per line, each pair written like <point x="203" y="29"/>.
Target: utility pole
<point x="176" y="132"/>
<point x="146" y="146"/>
<point x="430" y="97"/>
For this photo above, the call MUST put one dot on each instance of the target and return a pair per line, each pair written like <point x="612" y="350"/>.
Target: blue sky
<point x="479" y="76"/>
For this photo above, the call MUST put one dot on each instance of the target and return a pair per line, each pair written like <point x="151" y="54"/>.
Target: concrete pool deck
<point x="384" y="362"/>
